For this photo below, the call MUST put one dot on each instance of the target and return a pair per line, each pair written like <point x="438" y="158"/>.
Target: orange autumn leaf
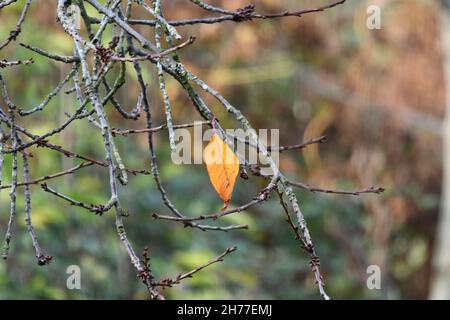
<point x="223" y="167"/>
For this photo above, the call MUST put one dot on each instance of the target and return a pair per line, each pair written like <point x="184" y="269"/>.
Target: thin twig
<point x="14" y="33"/>
<point x="302" y="145"/>
<point x="50" y="176"/>
<point x="53" y="56"/>
<point x="168" y="282"/>
<point x="377" y="190"/>
<point x="5" y="63"/>
<point x="125" y="132"/>
<point x="98" y="209"/>
<point x="262" y="196"/>
<point x="246" y="13"/>
<point x="155" y="55"/>
<point x="42" y="259"/>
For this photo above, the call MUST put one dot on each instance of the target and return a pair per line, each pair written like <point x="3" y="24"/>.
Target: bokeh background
<point x="378" y="95"/>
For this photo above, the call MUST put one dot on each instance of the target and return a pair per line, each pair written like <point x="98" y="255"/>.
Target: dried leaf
<point x="223" y="167"/>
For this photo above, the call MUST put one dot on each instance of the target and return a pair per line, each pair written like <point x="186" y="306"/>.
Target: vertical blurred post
<point x="440" y="278"/>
